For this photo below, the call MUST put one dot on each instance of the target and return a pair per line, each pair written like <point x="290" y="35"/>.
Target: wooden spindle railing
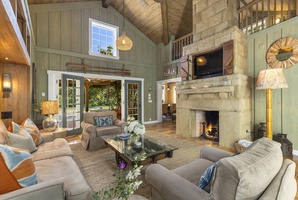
<point x="179" y="44"/>
<point x="260" y="14"/>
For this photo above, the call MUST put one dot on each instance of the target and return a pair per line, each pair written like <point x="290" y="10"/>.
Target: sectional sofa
<point x="58" y="175"/>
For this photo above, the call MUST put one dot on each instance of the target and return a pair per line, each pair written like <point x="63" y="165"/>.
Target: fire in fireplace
<point x="210" y="126"/>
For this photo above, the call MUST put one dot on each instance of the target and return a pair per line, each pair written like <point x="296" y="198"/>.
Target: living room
<point x="59" y="34"/>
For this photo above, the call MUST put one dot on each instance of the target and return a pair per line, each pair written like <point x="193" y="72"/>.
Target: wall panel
<point x="18" y="100"/>
<point x="285" y="104"/>
<point x="67" y="40"/>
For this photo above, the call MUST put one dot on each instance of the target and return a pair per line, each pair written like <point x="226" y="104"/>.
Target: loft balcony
<point x="15" y="32"/>
<point x="253" y="17"/>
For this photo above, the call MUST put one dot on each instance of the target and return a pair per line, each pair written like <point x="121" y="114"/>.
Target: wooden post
<point x="269" y="113"/>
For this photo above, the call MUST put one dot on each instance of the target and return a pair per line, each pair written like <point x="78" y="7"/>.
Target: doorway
<point x="133" y="99"/>
<point x="55" y="85"/>
<point x="72" y="103"/>
<point x="162" y="89"/>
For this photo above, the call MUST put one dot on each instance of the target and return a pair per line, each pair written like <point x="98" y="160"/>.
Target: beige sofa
<point x="58" y="176"/>
<point x="260" y="172"/>
<point x="91" y="136"/>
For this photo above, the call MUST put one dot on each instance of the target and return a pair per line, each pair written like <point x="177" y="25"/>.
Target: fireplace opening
<point x="210" y="126"/>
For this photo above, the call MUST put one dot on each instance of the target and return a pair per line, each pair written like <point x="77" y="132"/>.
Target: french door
<point x="133" y="99"/>
<point x="72" y="103"/>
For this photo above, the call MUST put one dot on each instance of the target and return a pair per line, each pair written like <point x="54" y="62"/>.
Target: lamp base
<point x="49" y="123"/>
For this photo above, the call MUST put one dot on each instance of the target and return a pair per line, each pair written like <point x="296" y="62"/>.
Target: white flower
<point x="131" y="126"/>
<point x="136" y="185"/>
<point x="139" y="129"/>
<point x="129" y="176"/>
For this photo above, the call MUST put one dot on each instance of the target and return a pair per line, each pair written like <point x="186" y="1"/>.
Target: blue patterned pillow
<point x="207" y="176"/>
<point x="17" y="168"/>
<point x="100" y="121"/>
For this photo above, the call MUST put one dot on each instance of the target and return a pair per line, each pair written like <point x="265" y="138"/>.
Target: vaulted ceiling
<point x="156" y="20"/>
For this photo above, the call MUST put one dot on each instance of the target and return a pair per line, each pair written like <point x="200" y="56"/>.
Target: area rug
<point x="99" y="166"/>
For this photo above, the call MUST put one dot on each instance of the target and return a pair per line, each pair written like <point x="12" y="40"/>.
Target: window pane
<point x="95" y="29"/>
<point x="110" y="40"/>
<point x="110" y="33"/>
<point x="103" y="31"/>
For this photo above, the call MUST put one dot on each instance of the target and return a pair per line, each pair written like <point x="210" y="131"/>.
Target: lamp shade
<point x="271" y="79"/>
<point x="6" y="82"/>
<point x="49" y="107"/>
<point x="124" y="43"/>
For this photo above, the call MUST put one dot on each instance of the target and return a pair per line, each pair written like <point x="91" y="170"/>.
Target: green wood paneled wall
<point x="61" y="34"/>
<point x="285" y="101"/>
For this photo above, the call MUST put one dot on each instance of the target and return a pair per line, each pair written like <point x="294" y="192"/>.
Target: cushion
<point x="3" y="129"/>
<point x="238" y="177"/>
<point x="17" y="169"/>
<point x="33" y="130"/>
<point x="207" y="176"/>
<point x="21" y="139"/>
<point x="30" y="127"/>
<point x="100" y="121"/>
<point x="89" y="116"/>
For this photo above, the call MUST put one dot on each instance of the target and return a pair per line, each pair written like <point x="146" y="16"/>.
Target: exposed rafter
<point x="165" y="24"/>
<point x="106" y="3"/>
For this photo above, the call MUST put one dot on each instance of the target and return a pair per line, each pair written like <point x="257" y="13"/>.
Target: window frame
<point x="113" y="28"/>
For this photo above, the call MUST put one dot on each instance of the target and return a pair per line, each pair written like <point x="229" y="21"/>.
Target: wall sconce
<point x="6" y="82"/>
<point x="149" y="89"/>
<point x="168" y="88"/>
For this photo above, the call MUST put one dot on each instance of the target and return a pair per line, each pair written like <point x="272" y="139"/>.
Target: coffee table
<point x="125" y="150"/>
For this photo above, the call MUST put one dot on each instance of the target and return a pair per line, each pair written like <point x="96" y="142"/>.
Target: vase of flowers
<point x="136" y="130"/>
<point x="125" y="184"/>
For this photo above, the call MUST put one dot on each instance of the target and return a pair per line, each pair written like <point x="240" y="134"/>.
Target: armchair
<point x="260" y="172"/>
<point x="91" y="135"/>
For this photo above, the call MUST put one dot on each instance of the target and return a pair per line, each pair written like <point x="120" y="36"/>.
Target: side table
<point x="51" y="135"/>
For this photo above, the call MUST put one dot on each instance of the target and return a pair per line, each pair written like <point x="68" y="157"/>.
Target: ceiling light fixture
<point x="123" y="42"/>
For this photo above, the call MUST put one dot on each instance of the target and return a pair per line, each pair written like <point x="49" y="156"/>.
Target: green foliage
<point x="125" y="184"/>
<point x="102" y="95"/>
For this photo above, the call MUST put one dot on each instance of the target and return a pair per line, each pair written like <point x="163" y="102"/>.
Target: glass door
<point x="133" y="99"/>
<point x="72" y="103"/>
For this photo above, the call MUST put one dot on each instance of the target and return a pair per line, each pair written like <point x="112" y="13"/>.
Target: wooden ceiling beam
<point x="165" y="24"/>
<point x="106" y="3"/>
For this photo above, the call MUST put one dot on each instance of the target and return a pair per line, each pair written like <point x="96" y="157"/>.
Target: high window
<point x="102" y="39"/>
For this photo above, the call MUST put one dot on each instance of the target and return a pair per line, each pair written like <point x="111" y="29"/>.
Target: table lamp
<point x="49" y="108"/>
<point x="270" y="79"/>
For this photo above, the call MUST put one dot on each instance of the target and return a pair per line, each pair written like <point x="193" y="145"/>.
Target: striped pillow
<point x="30" y="127"/>
<point x="17" y="169"/>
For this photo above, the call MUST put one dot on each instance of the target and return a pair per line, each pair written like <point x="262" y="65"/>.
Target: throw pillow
<point x="103" y="120"/>
<point x="21" y="139"/>
<point x="17" y="169"/>
<point x="205" y="179"/>
<point x="30" y="127"/>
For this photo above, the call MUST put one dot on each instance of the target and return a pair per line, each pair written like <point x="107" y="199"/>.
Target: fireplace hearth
<point x="210" y="126"/>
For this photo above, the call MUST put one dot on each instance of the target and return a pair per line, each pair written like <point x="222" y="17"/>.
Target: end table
<point x="51" y="135"/>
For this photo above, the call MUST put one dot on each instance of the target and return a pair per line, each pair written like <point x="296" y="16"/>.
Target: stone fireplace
<point x="229" y="94"/>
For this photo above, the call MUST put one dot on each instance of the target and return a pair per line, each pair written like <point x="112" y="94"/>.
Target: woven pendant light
<point x="123" y="42"/>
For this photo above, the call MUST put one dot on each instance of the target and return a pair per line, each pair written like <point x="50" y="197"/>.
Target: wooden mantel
<point x="15" y="32"/>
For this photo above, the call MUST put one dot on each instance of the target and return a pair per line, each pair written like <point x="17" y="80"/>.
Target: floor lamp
<point x="270" y="79"/>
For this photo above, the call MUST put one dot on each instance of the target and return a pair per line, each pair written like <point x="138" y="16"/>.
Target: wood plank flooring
<point x="169" y="128"/>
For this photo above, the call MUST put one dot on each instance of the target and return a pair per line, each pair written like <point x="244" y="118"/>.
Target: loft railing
<point x="179" y="44"/>
<point x="253" y="17"/>
<point x="261" y="14"/>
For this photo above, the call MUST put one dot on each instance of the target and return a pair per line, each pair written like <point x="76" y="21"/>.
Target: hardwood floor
<point x="169" y="128"/>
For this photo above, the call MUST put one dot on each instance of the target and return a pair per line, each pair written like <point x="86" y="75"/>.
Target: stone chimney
<point x="213" y="16"/>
